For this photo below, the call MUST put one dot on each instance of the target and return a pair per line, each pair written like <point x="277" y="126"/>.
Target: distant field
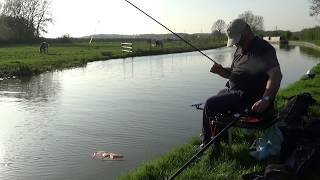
<point x="25" y="60"/>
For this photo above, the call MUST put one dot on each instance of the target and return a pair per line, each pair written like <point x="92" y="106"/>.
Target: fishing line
<point x="177" y="35"/>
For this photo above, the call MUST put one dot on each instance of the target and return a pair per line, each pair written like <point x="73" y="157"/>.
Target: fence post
<point x="126" y="47"/>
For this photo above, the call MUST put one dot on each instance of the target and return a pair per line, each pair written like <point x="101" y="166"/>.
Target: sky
<point x="85" y="17"/>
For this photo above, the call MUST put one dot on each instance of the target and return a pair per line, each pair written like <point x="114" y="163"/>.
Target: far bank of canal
<point x="25" y="59"/>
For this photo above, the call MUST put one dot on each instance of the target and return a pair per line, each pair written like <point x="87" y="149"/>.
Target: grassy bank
<point x="234" y="160"/>
<point x="25" y="60"/>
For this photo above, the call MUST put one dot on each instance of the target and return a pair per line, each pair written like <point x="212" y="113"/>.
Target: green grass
<point x="303" y="85"/>
<point x="234" y="160"/>
<point x="230" y="163"/>
<point x="25" y="60"/>
<point x="316" y="42"/>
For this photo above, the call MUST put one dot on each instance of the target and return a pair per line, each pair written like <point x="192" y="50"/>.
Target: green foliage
<point x="310" y="34"/>
<point x="284" y="34"/>
<point x="303" y="85"/>
<point x="25" y="19"/>
<point x="66" y="38"/>
<point x="15" y="29"/>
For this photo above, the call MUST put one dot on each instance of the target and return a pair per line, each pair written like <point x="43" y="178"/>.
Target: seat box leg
<point x="229" y="136"/>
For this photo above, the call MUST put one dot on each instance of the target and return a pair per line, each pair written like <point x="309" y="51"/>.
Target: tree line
<point x="256" y="22"/>
<point x="312" y="34"/>
<point x="27" y="20"/>
<point x="24" y="20"/>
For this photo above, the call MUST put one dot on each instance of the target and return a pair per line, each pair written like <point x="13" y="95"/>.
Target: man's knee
<point x="217" y="100"/>
<point x="211" y="102"/>
<point x="224" y="102"/>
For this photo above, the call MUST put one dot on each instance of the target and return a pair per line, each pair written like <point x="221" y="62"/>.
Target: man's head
<point x="239" y="33"/>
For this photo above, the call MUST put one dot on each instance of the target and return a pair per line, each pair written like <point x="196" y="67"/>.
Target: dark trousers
<point x="225" y="101"/>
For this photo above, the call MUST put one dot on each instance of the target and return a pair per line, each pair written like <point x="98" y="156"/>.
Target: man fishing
<point x="254" y="77"/>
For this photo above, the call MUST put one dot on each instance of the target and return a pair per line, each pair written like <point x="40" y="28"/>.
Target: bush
<point x="310" y="34"/>
<point x="107" y="53"/>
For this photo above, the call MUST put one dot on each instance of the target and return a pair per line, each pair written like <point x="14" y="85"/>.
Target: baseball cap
<point x="234" y="31"/>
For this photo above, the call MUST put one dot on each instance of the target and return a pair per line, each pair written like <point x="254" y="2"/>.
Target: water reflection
<point x="42" y="88"/>
<point x="125" y="64"/>
<point x="28" y="105"/>
<point x="286" y="47"/>
<point x="310" y="52"/>
<point x="160" y="66"/>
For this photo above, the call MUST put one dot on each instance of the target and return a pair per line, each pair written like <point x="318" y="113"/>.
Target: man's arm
<point x="272" y="87"/>
<point x="221" y="71"/>
<point x="274" y="81"/>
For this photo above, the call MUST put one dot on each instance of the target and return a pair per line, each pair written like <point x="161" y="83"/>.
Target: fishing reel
<point x="198" y="106"/>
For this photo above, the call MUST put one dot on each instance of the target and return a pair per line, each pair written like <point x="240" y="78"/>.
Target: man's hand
<point x="221" y="71"/>
<point x="216" y="68"/>
<point x="272" y="87"/>
<point x="260" y="106"/>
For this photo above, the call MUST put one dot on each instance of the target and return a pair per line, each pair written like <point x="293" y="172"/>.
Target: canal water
<point x="139" y="107"/>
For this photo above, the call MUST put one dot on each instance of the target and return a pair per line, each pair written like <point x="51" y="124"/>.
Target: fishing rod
<point x="177" y="35"/>
<point x="203" y="149"/>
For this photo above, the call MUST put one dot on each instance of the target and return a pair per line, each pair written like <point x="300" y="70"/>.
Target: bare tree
<point x="1" y="8"/>
<point x="255" y="22"/>
<point x="30" y="9"/>
<point x="218" y="26"/>
<point x="315" y="7"/>
<point x="43" y="17"/>
<point x="36" y="13"/>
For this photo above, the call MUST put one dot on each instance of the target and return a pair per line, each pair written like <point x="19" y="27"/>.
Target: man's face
<point x="241" y="42"/>
<point x="238" y="44"/>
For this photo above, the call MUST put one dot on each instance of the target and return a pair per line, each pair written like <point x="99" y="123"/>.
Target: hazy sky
<point x="85" y="17"/>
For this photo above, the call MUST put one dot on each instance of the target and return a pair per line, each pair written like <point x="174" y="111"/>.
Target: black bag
<point x="299" y="137"/>
<point x="301" y="157"/>
<point x="307" y="162"/>
<point x="279" y="172"/>
<point x="273" y="172"/>
<point x="296" y="108"/>
<point x="305" y="156"/>
<point x="300" y="152"/>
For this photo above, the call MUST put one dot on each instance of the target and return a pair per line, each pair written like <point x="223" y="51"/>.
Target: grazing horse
<point x="159" y="43"/>
<point x="44" y="48"/>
